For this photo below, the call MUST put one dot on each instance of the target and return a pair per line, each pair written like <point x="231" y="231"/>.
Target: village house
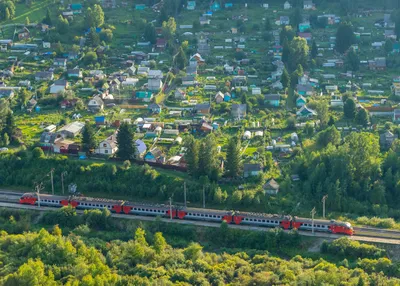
<point x="58" y="86"/>
<point x="204" y="20"/>
<point x="108" y="146"/>
<point x="238" y="111"/>
<point x="96" y="104"/>
<point x="24" y="83"/>
<point x="68" y="103"/>
<point x="44" y="76"/>
<point x="60" y="63"/>
<point x="272" y="100"/>
<point x="287" y="5"/>
<point x="396" y="88"/>
<point x="140" y="148"/>
<point x="143" y="70"/>
<point x="188" y="81"/>
<point x="271" y="187"/>
<point x="251" y="170"/>
<point x="74" y="73"/>
<point x="386" y="139"/>
<point x="202" y="108"/>
<point x="154" y="84"/>
<point x="180" y="94"/>
<point x="306" y="112"/>
<point x="191" y="5"/>
<point x="71" y="130"/>
<point x="7" y="93"/>
<point x="396" y="115"/>
<point x="219" y="97"/>
<point x="154" y="108"/>
<point x="377" y="64"/>
<point x="305" y="89"/>
<point x="155" y="155"/>
<point x="284" y="20"/>
<point x="145" y="96"/>
<point x="300" y="101"/>
<point x="191" y="70"/>
<point x="161" y="44"/>
<point x="308" y="5"/>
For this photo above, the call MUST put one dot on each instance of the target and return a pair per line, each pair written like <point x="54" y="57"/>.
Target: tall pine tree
<point x="233" y="157"/>
<point x="125" y="143"/>
<point x="192" y="155"/>
<point x="89" y="142"/>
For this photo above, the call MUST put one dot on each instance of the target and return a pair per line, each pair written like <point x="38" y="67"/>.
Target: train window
<point x="202" y="215"/>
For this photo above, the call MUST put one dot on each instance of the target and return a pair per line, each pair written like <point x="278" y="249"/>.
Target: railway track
<point x="9" y="199"/>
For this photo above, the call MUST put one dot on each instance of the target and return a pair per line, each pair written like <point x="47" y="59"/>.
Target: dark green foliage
<point x="285" y="79"/>
<point x="89" y="142"/>
<point x="314" y="50"/>
<point x="125" y="143"/>
<point x="352" y="249"/>
<point x="362" y="117"/>
<point x="233" y="157"/>
<point x="150" y="33"/>
<point x="344" y="37"/>
<point x="180" y="59"/>
<point x="352" y="60"/>
<point x="192" y="155"/>
<point x="349" y="108"/>
<point x="47" y="19"/>
<point x="329" y="136"/>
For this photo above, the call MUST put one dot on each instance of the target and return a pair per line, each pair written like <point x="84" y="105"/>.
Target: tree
<point x="160" y="243"/>
<point x="285" y="78"/>
<point x="388" y="46"/>
<point x="125" y="143"/>
<point x="94" y="17"/>
<point x="233" y="157"/>
<point x="180" y="59"/>
<point x="331" y="121"/>
<point x="150" y="33"/>
<point x="37" y="153"/>
<point x="314" y="50"/>
<point x="344" y="37"/>
<point x="296" y="17"/>
<point x="27" y="21"/>
<point x="90" y="58"/>
<point x="362" y="117"/>
<point x="298" y="52"/>
<point x="93" y="38"/>
<point x="294" y="78"/>
<point x="6" y="139"/>
<point x="377" y="195"/>
<point x="352" y="60"/>
<point x="349" y="108"/>
<point x="169" y="28"/>
<point x="329" y="136"/>
<point x="323" y="112"/>
<point x="208" y="156"/>
<point x="47" y="19"/>
<point x="106" y="35"/>
<point x="9" y="126"/>
<point x="192" y="155"/>
<point x="32" y="272"/>
<point x="7" y="14"/>
<point x="62" y="25"/>
<point x="287" y="34"/>
<point x="24" y="96"/>
<point x="285" y="53"/>
<point x="89" y="142"/>
<point x="7" y="10"/>
<point x="268" y="25"/>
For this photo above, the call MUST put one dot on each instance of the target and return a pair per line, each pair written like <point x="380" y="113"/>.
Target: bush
<point x="345" y="247"/>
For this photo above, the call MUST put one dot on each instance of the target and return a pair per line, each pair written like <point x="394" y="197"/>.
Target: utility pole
<point x="52" y="181"/>
<point x="323" y="205"/>
<point x="38" y="188"/>
<point x="170" y="208"/>
<point x="62" y="180"/>
<point x="313" y="211"/>
<point x="204" y="197"/>
<point x="184" y="193"/>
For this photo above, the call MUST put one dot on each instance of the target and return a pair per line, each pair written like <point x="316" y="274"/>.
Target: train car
<point x="150" y="210"/>
<point x="261" y="219"/>
<point x="331" y="226"/>
<point x="45" y="200"/>
<point x="205" y="214"/>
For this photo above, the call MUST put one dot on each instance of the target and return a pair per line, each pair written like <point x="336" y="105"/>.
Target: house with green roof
<point x="76" y="8"/>
<point x="145" y="96"/>
<point x="191" y="5"/>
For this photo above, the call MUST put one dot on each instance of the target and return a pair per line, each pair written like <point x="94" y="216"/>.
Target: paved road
<point x="210" y="224"/>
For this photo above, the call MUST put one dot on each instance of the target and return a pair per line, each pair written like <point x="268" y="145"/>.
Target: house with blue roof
<point x="272" y="100"/>
<point x="228" y="5"/>
<point x="300" y="101"/>
<point x="144" y="96"/>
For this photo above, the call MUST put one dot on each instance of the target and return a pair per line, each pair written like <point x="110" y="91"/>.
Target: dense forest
<point x="80" y="253"/>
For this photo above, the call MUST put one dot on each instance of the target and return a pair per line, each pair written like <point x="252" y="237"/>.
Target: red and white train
<point x="176" y="212"/>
